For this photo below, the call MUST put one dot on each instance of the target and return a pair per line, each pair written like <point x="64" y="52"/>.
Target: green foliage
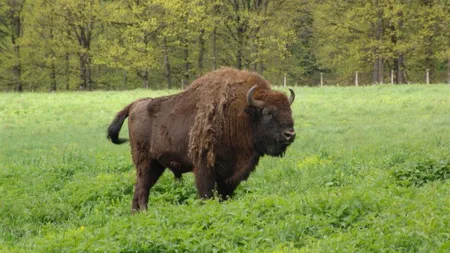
<point x="352" y="35"/>
<point x="422" y="171"/>
<point x="340" y="187"/>
<point x="157" y="44"/>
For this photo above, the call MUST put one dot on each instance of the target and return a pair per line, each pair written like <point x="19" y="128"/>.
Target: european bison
<point x="218" y="128"/>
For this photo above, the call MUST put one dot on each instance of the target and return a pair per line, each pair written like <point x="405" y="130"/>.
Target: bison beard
<point x="218" y="128"/>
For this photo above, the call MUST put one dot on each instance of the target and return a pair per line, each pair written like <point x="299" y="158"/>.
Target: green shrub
<point x="422" y="171"/>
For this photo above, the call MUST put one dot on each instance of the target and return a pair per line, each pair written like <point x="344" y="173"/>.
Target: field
<point x="367" y="173"/>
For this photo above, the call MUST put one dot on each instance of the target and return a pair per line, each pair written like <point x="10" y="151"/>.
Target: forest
<point x="50" y="45"/>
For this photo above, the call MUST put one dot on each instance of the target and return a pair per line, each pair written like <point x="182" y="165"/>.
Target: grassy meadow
<point x="367" y="173"/>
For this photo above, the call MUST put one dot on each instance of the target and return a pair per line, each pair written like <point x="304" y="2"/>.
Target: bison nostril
<point x="289" y="135"/>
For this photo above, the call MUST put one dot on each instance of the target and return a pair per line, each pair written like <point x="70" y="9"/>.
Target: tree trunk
<point x="239" y="36"/>
<point x="398" y="67"/>
<point x="401" y="57"/>
<point x="186" y="60"/>
<point x="53" y="76"/>
<point x="89" y="73"/>
<point x="258" y="49"/>
<point x="166" y="63"/>
<point x="85" y="72"/>
<point x="240" y="49"/>
<point x="262" y="7"/>
<point x="84" y="39"/>
<point x="377" y="74"/>
<point x="380" y="70"/>
<point x="145" y="79"/>
<point x="67" y="63"/>
<point x="214" y="48"/>
<point x="448" y="70"/>
<point x="17" y="71"/>
<point x="186" y="50"/>
<point x="67" y="67"/>
<point x="83" y="82"/>
<point x="84" y="36"/>
<point x="16" y="33"/>
<point x="397" y="36"/>
<point x="429" y="39"/>
<point x="124" y="80"/>
<point x="375" y="71"/>
<point x="201" y="44"/>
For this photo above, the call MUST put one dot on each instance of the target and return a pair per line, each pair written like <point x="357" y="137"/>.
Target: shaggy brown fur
<point x="209" y="127"/>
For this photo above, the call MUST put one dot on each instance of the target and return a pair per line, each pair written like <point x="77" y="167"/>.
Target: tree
<point x="82" y="17"/>
<point x="11" y="19"/>
<point x="430" y="35"/>
<point x="45" y="41"/>
<point x="134" y="48"/>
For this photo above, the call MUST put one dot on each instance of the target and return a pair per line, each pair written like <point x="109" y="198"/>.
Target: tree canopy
<point x="118" y="44"/>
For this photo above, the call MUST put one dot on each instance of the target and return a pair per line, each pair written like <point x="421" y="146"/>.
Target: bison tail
<point x="116" y="125"/>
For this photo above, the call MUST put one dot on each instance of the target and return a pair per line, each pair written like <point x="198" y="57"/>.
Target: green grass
<point x="367" y="173"/>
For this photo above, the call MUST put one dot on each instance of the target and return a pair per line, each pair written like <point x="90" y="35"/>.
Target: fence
<point x="365" y="78"/>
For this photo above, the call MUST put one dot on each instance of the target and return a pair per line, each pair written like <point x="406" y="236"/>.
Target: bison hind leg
<point x="135" y="201"/>
<point x="147" y="174"/>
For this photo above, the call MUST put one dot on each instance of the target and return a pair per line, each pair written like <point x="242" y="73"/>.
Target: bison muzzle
<point x="218" y="128"/>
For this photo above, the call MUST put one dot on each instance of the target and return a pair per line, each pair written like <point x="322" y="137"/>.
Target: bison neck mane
<point x="221" y="125"/>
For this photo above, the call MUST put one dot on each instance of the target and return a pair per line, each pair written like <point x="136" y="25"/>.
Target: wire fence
<point x="358" y="78"/>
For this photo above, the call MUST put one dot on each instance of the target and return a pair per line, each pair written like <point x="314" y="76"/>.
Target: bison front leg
<point x="148" y="174"/>
<point x="205" y="180"/>
<point x="178" y="177"/>
<point x="226" y="189"/>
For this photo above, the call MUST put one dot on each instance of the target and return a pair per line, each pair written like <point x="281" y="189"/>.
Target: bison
<point x="218" y="128"/>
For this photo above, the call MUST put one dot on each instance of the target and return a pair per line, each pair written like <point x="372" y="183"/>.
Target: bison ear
<point x="252" y="111"/>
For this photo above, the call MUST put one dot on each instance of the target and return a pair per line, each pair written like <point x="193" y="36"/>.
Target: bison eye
<point x="270" y="112"/>
<point x="266" y="111"/>
<point x="267" y="114"/>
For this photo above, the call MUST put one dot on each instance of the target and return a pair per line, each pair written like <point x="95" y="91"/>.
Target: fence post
<point x="428" y="76"/>
<point x="356" y="78"/>
<point x="321" y="79"/>
<point x="182" y="84"/>
<point x="284" y="81"/>
<point x="448" y="70"/>
<point x="392" y="76"/>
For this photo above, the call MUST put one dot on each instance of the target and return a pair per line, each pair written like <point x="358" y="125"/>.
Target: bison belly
<point x="159" y="130"/>
<point x="176" y="163"/>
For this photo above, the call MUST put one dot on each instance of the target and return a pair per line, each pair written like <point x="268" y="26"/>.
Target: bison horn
<point x="251" y="101"/>
<point x="291" y="97"/>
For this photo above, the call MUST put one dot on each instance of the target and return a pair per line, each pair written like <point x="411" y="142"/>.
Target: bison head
<point x="272" y="123"/>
